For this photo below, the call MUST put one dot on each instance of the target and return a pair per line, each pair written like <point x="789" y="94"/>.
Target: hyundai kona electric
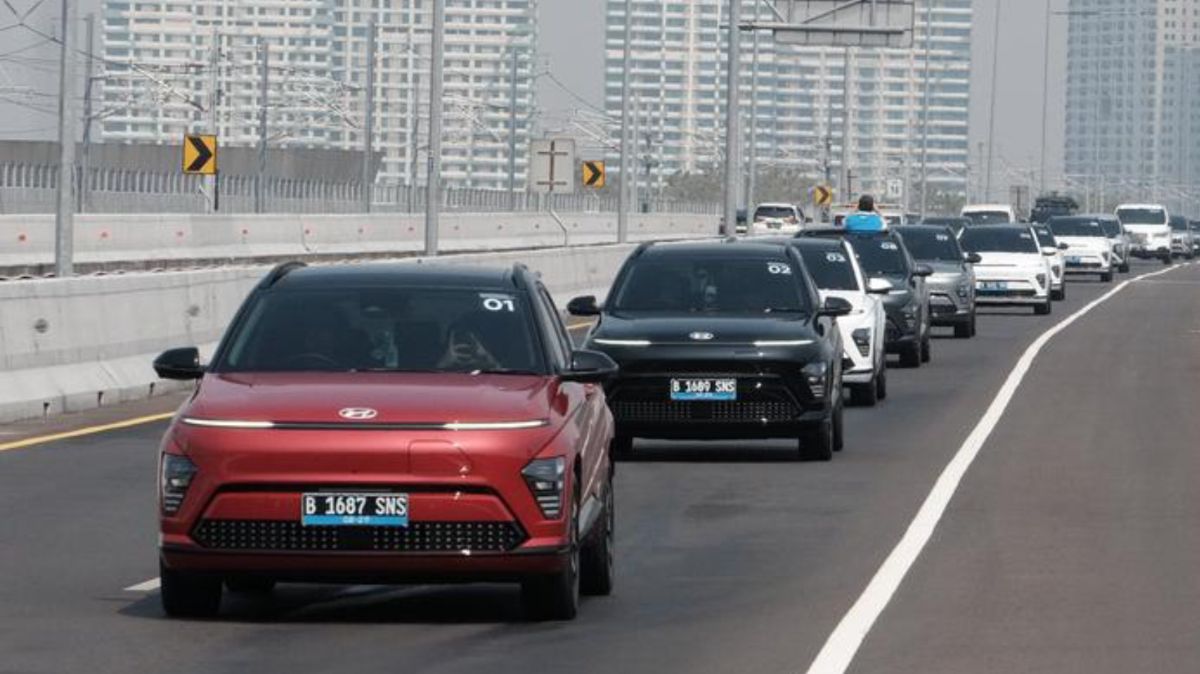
<point x="1089" y="249"/>
<point x="721" y="341"/>
<point x="389" y="424"/>
<point x="1012" y="269"/>
<point x="1053" y="250"/>
<point x="952" y="285"/>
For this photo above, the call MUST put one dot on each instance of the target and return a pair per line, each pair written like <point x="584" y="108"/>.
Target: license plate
<point x="993" y="286"/>
<point x="354" y="510"/>
<point x="1074" y="259"/>
<point x="704" y="389"/>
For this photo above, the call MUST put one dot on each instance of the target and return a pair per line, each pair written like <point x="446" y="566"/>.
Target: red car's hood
<point x="396" y="398"/>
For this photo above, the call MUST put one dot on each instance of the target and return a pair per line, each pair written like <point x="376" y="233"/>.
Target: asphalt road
<point x="1071" y="545"/>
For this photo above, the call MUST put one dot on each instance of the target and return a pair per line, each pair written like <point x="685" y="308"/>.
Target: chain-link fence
<point x="30" y="188"/>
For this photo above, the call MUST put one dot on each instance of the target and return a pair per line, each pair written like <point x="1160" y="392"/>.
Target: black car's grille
<point x="719" y="412"/>
<point x="418" y="537"/>
<point x="1007" y="293"/>
<point x="1084" y="265"/>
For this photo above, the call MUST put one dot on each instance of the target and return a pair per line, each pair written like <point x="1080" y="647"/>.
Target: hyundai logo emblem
<point x="702" y="336"/>
<point x="358" y="413"/>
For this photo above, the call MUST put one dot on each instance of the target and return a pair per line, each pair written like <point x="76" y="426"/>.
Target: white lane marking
<point x="843" y="644"/>
<point x="148" y="586"/>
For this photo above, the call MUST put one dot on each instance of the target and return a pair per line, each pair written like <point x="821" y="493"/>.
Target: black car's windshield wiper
<point x="503" y="370"/>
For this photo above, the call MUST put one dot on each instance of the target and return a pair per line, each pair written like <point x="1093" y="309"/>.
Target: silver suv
<point x="952" y="285"/>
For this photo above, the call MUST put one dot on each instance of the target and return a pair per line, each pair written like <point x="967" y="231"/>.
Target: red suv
<point x="389" y="423"/>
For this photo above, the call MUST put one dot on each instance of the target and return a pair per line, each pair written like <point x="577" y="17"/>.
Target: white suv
<point x="836" y="272"/>
<point x="1149" y="228"/>
<point x="1012" y="269"/>
<point x="777" y="219"/>
<point x="1089" y="249"/>
<point x="989" y="214"/>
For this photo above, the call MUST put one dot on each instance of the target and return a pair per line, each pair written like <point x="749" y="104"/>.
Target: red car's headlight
<point x="545" y="478"/>
<point x="177" y="474"/>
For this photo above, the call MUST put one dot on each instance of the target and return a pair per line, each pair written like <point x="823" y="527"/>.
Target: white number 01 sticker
<point x="499" y="303"/>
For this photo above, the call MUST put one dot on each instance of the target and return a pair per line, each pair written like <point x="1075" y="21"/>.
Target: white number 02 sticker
<point x="779" y="268"/>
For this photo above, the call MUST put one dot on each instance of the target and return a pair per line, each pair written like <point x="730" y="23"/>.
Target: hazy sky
<point x="573" y="48"/>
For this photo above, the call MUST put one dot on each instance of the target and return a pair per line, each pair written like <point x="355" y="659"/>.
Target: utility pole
<point x="433" y="187"/>
<point x="635" y="198"/>
<point x="214" y="104"/>
<point x="64" y="214"/>
<point x="991" y="142"/>
<point x="512" y="125"/>
<point x="925" y="110"/>
<point x="847" y="80"/>
<point x="752" y="177"/>
<point x="368" y="175"/>
<point x="260" y="201"/>
<point x="85" y="161"/>
<point x="626" y="103"/>
<point x="732" y="131"/>
<point x="1045" y="96"/>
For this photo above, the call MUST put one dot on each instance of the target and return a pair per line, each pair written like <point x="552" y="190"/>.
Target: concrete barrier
<point x="27" y="241"/>
<point x="78" y="343"/>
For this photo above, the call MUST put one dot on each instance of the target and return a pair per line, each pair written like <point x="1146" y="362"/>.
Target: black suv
<point x="721" y="341"/>
<point x="884" y="255"/>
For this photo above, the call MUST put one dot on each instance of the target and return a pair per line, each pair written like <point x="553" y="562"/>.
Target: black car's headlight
<point x="546" y="479"/>
<point x="862" y="340"/>
<point x="177" y="475"/>
<point x="814" y="376"/>
<point x="964" y="290"/>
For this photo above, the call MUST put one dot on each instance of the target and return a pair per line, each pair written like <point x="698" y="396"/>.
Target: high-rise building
<point x="176" y="66"/>
<point x="796" y="96"/>
<point x="1126" y="68"/>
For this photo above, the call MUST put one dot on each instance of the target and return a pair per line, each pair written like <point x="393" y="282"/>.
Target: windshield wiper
<point x="503" y="370"/>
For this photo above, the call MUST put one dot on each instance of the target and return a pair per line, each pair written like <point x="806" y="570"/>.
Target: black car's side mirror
<point x="922" y="270"/>
<point x="583" y="306"/>
<point x="179" y="364"/>
<point x="973" y="258"/>
<point x="835" y="306"/>
<point x="1063" y="246"/>
<point x="590" y="367"/>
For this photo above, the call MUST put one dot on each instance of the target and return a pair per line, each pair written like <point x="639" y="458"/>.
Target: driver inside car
<point x="466" y="348"/>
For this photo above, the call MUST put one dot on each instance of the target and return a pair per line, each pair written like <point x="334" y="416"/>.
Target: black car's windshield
<point x="716" y="285"/>
<point x="998" y="240"/>
<point x="830" y="268"/>
<point x="1078" y="227"/>
<point x="1179" y="223"/>
<point x="987" y="217"/>
<point x="779" y="212"/>
<point x="1045" y="236"/>
<point x="931" y="245"/>
<point x="384" y="329"/>
<point x="1112" y="228"/>
<point x="880" y="256"/>
<point x="1142" y="216"/>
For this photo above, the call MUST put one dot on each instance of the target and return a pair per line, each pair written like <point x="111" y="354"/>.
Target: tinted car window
<point x="1179" y="223"/>
<point x="987" y="217"/>
<point x="830" y="269"/>
<point x="1077" y="227"/>
<point x="931" y="245"/>
<point x="1045" y="236"/>
<point x="998" y="240"/>
<point x="1142" y="216"/>
<point x="880" y="256"/>
<point x="712" y="285"/>
<point x="774" y="212"/>
<point x="1112" y="228"/>
<point x="384" y="329"/>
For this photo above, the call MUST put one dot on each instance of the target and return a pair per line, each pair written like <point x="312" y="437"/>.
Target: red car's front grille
<point x="418" y="537"/>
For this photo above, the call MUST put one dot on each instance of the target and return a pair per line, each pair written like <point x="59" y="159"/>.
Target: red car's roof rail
<point x="280" y="271"/>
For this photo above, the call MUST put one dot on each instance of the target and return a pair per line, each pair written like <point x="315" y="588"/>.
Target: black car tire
<point x="596" y="561"/>
<point x="816" y="441"/>
<point x="622" y="447"/>
<point x="556" y="596"/>
<point x="1166" y="260"/>
<point x="189" y="595"/>
<point x="926" y="349"/>
<point x="1107" y="277"/>
<point x="1060" y="294"/>
<point x="1044" y="309"/>
<point x="253" y="585"/>
<point x="881" y="384"/>
<point x="1124" y="268"/>
<point x="839" y="429"/>
<point x="865" y="395"/>
<point x="911" y="355"/>
<point x="966" y="329"/>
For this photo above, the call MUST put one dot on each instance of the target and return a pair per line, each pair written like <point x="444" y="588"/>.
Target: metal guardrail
<point x="30" y="188"/>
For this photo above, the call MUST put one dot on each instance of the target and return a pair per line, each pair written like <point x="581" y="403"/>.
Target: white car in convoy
<point x="1149" y="228"/>
<point x="989" y="214"/>
<point x="1089" y="248"/>
<point x="835" y="269"/>
<point x="777" y="219"/>
<point x="1058" y="262"/>
<point x="1012" y="270"/>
